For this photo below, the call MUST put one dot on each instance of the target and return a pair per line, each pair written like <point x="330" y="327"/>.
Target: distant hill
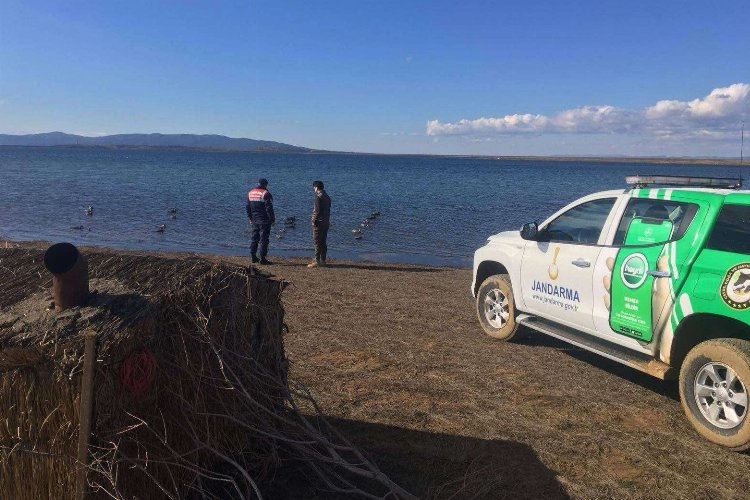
<point x="215" y="142"/>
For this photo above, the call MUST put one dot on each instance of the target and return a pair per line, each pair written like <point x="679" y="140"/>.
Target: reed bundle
<point x="191" y="393"/>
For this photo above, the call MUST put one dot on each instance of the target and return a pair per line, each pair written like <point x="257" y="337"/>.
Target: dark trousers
<point x="320" y="234"/>
<point x="260" y="234"/>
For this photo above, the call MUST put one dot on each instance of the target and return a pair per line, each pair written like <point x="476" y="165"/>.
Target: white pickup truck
<point x="656" y="277"/>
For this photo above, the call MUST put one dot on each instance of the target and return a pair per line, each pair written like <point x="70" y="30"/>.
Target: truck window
<point x="580" y="224"/>
<point x="732" y="230"/>
<point x="656" y="211"/>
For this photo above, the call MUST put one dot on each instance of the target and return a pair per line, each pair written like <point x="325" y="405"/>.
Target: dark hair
<point x="263" y="182"/>
<point x="318" y="184"/>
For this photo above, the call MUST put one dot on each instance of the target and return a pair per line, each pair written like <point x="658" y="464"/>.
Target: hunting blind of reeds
<point x="191" y="397"/>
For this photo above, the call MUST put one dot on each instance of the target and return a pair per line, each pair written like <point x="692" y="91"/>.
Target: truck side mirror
<point x="529" y="231"/>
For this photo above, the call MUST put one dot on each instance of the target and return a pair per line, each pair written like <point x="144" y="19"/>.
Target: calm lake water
<point x="434" y="210"/>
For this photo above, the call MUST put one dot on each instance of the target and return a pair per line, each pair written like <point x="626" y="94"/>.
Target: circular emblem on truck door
<point x="633" y="270"/>
<point x="735" y="289"/>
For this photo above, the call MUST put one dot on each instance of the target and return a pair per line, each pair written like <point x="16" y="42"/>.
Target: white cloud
<point x="664" y="109"/>
<point x="712" y="116"/>
<point x="722" y="102"/>
<point x="90" y="134"/>
<point x="402" y="133"/>
<point x="490" y="126"/>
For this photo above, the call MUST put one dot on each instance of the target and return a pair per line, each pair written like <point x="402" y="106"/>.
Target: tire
<point x="496" y="309"/>
<point x="718" y="413"/>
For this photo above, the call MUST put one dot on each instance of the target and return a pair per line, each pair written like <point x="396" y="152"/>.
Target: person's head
<point x="318" y="186"/>
<point x="263" y="182"/>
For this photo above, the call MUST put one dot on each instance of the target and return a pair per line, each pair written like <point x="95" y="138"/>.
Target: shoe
<point x="314" y="263"/>
<point x="254" y="259"/>
<point x="265" y="262"/>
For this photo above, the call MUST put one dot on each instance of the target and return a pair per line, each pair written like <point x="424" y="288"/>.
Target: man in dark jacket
<point x="321" y="220"/>
<point x="260" y="214"/>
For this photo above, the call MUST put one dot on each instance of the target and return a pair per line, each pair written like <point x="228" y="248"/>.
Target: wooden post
<point x="86" y="411"/>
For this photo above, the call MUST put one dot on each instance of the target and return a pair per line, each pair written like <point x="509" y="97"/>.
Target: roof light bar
<point x="637" y="181"/>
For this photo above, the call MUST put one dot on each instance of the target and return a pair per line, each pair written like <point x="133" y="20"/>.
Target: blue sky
<point x="386" y="76"/>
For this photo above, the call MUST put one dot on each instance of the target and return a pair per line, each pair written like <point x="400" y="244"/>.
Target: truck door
<point x="557" y="269"/>
<point x="635" y="276"/>
<point x="634" y="269"/>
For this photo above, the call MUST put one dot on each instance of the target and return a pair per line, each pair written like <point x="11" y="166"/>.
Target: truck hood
<point x="506" y="237"/>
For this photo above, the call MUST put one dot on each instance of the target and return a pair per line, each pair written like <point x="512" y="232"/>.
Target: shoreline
<point x="234" y="258"/>
<point x="730" y="162"/>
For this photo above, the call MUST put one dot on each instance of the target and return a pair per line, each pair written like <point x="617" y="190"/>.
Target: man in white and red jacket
<point x="260" y="214"/>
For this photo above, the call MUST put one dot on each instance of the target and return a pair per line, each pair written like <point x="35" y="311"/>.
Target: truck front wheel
<point x="714" y="383"/>
<point x="496" y="308"/>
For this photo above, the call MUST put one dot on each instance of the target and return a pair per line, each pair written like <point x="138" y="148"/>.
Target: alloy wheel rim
<point x="721" y="395"/>
<point x="496" y="308"/>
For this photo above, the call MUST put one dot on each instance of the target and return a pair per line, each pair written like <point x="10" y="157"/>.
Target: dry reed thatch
<point x="190" y="388"/>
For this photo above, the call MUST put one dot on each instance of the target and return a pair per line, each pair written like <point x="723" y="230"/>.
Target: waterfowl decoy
<point x="375" y="215"/>
<point x="79" y="228"/>
<point x="358" y="236"/>
<point x="357" y="231"/>
<point x="89" y="210"/>
<point x="172" y="211"/>
<point x="161" y="228"/>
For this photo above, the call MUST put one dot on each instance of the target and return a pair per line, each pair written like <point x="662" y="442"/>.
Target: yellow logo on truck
<point x="552" y="270"/>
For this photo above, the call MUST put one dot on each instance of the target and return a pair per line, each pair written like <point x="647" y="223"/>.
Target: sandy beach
<point x="397" y="361"/>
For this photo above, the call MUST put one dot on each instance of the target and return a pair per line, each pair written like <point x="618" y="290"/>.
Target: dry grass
<point x="216" y="418"/>
<point x="396" y="359"/>
<point x="396" y="352"/>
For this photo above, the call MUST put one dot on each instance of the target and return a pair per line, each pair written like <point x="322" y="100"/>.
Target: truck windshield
<point x="732" y="230"/>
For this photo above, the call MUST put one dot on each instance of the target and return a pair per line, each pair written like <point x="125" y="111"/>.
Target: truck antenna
<point x="742" y="147"/>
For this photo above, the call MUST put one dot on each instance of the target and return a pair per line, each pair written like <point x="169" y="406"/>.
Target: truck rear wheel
<point x="496" y="308"/>
<point x="714" y="384"/>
